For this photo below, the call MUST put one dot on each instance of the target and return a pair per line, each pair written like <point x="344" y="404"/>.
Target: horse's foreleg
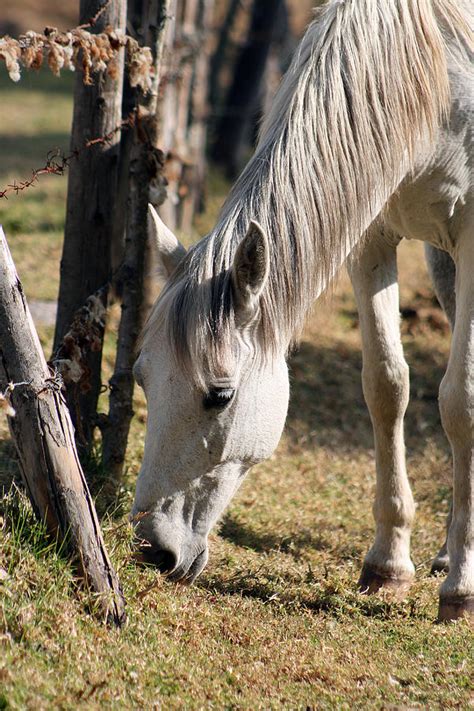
<point x="386" y="389"/>
<point x="456" y="400"/>
<point x="443" y="274"/>
<point x="442" y="271"/>
<point x="440" y="562"/>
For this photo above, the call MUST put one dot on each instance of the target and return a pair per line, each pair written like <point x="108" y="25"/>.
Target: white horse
<point x="366" y="143"/>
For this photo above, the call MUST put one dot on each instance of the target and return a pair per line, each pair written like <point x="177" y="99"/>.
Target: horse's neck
<point x="343" y="131"/>
<point x="309" y="239"/>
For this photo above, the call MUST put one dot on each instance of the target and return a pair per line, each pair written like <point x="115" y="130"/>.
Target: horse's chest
<point x="433" y="206"/>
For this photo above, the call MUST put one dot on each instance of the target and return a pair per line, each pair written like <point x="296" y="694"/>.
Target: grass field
<point x="275" y="620"/>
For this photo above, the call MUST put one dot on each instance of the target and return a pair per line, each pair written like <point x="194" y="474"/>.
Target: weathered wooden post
<point x="92" y="186"/>
<point x="219" y="55"/>
<point x="44" y="439"/>
<point x="183" y="129"/>
<point x="242" y="98"/>
<point x="144" y="161"/>
<point x="194" y="176"/>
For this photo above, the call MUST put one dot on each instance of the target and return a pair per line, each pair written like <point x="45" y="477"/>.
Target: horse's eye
<point x="218" y="397"/>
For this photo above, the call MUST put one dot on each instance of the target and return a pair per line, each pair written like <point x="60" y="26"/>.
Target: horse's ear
<point x="250" y="270"/>
<point x="168" y="248"/>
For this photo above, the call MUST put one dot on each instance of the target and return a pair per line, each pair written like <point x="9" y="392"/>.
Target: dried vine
<point x="78" y="49"/>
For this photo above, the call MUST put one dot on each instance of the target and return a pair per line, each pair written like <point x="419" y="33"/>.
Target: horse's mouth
<point x="193" y="571"/>
<point x="167" y="565"/>
<point x="165" y="561"/>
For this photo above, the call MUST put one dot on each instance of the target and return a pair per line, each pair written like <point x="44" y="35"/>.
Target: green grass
<point x="275" y="621"/>
<point x="35" y="120"/>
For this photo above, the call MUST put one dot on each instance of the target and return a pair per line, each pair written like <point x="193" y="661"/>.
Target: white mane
<point x="368" y="84"/>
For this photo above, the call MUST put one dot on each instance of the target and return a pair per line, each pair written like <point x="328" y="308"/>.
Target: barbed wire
<point x="93" y="20"/>
<point x="57" y="162"/>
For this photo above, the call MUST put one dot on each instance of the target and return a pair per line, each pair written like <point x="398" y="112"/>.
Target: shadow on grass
<point x="325" y="597"/>
<point x="107" y="494"/>
<point x="9" y="469"/>
<point x="242" y="535"/>
<point x="42" y="80"/>
<point x="327" y="406"/>
<point x="23" y="153"/>
<point x="25" y="528"/>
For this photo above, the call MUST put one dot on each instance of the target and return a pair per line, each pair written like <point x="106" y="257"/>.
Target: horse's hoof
<point x="371" y="582"/>
<point x="454" y="608"/>
<point x="439" y="565"/>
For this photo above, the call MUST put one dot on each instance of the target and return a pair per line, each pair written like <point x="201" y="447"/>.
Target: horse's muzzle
<point x="185" y="570"/>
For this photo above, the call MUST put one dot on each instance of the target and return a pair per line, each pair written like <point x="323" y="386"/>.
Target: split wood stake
<point x="44" y="439"/>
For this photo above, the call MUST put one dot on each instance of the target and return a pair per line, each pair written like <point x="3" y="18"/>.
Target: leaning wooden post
<point x="44" y="439"/>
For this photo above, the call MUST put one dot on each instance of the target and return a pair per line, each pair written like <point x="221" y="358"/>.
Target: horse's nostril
<point x="165" y="561"/>
<point x="168" y="561"/>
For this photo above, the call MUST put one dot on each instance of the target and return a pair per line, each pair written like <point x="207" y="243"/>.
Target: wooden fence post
<point x="219" y="55"/>
<point x="183" y="127"/>
<point x="44" y="439"/>
<point x="86" y="258"/>
<point x="242" y="104"/>
<point x="144" y="160"/>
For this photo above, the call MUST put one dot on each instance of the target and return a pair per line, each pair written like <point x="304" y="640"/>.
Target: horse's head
<point x="203" y="434"/>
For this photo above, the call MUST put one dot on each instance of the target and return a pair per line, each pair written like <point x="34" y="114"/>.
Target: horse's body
<point x="367" y="142"/>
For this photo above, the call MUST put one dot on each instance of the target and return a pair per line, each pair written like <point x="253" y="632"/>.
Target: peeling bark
<point x="44" y="439"/>
<point x="86" y="258"/>
<point x="145" y="162"/>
